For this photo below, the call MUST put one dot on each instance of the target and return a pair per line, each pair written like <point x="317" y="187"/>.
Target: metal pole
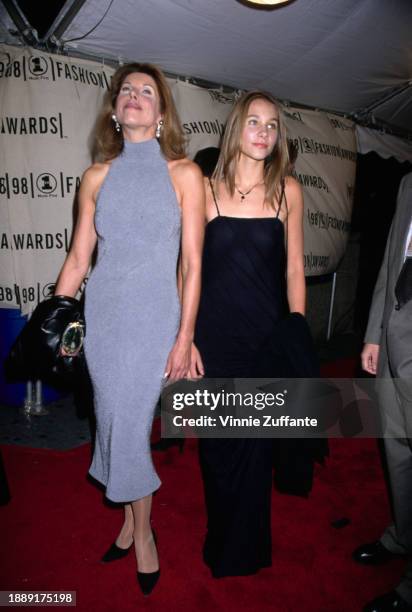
<point x="28" y="33"/>
<point x="63" y="20"/>
<point x="38" y="408"/>
<point x="28" y="400"/>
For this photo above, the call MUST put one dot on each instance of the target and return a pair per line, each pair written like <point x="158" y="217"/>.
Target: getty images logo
<point x="37" y="65"/>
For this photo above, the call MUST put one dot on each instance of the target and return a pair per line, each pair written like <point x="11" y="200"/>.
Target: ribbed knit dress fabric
<point x="132" y="314"/>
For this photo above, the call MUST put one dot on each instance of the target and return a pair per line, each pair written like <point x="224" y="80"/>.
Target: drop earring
<point x="159" y="128"/>
<point x="116" y="123"/>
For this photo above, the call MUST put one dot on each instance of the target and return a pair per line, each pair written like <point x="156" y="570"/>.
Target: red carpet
<point x="56" y="528"/>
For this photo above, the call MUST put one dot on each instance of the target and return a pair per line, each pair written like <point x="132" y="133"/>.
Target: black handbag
<point x="56" y="323"/>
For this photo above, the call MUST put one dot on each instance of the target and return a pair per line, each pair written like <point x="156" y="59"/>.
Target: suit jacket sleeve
<point x="374" y="328"/>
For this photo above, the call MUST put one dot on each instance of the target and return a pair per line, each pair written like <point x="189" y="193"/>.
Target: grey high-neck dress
<point x="132" y="315"/>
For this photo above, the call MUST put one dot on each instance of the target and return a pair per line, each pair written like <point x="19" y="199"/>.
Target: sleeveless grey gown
<point x="132" y="315"/>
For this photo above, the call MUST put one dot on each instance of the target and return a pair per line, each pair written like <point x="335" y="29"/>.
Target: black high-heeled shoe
<point x="114" y="553"/>
<point x="148" y="580"/>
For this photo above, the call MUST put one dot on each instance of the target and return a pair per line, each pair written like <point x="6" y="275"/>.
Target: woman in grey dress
<point x="142" y="204"/>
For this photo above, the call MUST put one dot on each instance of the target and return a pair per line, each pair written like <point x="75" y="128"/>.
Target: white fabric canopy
<point x="349" y="56"/>
<point x="383" y="144"/>
<point x="344" y="55"/>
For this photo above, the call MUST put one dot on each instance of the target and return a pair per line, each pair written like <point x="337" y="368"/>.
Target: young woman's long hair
<point x="276" y="164"/>
<point x="109" y="142"/>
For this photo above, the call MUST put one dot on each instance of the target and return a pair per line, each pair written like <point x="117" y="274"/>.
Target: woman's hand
<point x="178" y="362"/>
<point x="196" y="364"/>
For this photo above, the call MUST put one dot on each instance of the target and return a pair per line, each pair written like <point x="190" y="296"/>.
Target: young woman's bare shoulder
<point x="206" y="184"/>
<point x="292" y="186"/>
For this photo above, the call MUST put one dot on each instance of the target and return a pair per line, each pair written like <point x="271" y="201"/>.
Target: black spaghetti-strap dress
<point x="243" y="297"/>
<point x="243" y="330"/>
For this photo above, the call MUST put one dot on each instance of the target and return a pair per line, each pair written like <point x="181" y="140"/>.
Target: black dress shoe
<point x="374" y="554"/>
<point x="389" y="602"/>
<point x="114" y="553"/>
<point x="148" y="580"/>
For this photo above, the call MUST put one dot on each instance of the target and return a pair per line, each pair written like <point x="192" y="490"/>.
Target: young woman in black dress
<point x="253" y="275"/>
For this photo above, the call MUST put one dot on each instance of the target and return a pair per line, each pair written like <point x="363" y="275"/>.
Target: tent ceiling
<point x="345" y="55"/>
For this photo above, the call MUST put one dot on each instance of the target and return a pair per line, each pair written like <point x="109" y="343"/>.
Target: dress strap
<point x="214" y="196"/>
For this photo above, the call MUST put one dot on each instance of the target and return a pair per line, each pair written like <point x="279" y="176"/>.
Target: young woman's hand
<point x="196" y="364"/>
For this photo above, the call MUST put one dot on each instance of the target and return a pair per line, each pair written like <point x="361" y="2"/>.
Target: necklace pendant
<point x="243" y="194"/>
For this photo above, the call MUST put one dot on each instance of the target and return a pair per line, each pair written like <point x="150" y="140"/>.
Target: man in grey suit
<point x="388" y="354"/>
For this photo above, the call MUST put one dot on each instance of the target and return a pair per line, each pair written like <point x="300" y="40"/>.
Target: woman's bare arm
<point x="78" y="259"/>
<point x="188" y="182"/>
<point x="295" y="275"/>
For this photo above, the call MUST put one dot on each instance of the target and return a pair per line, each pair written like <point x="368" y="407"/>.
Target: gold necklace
<point x="243" y="194"/>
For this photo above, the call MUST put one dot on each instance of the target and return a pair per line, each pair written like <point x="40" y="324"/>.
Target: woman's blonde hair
<point x="276" y="164"/>
<point x="109" y="142"/>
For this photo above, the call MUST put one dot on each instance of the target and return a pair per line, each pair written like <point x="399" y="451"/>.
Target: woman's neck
<point x="138" y="134"/>
<point x="249" y="172"/>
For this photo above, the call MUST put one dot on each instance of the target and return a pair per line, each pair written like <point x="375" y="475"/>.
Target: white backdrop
<point x="326" y="168"/>
<point x="48" y="107"/>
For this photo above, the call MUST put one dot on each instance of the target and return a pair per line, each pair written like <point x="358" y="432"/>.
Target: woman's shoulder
<point x="292" y="186"/>
<point x="93" y="178"/>
<point x="96" y="171"/>
<point x="185" y="170"/>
